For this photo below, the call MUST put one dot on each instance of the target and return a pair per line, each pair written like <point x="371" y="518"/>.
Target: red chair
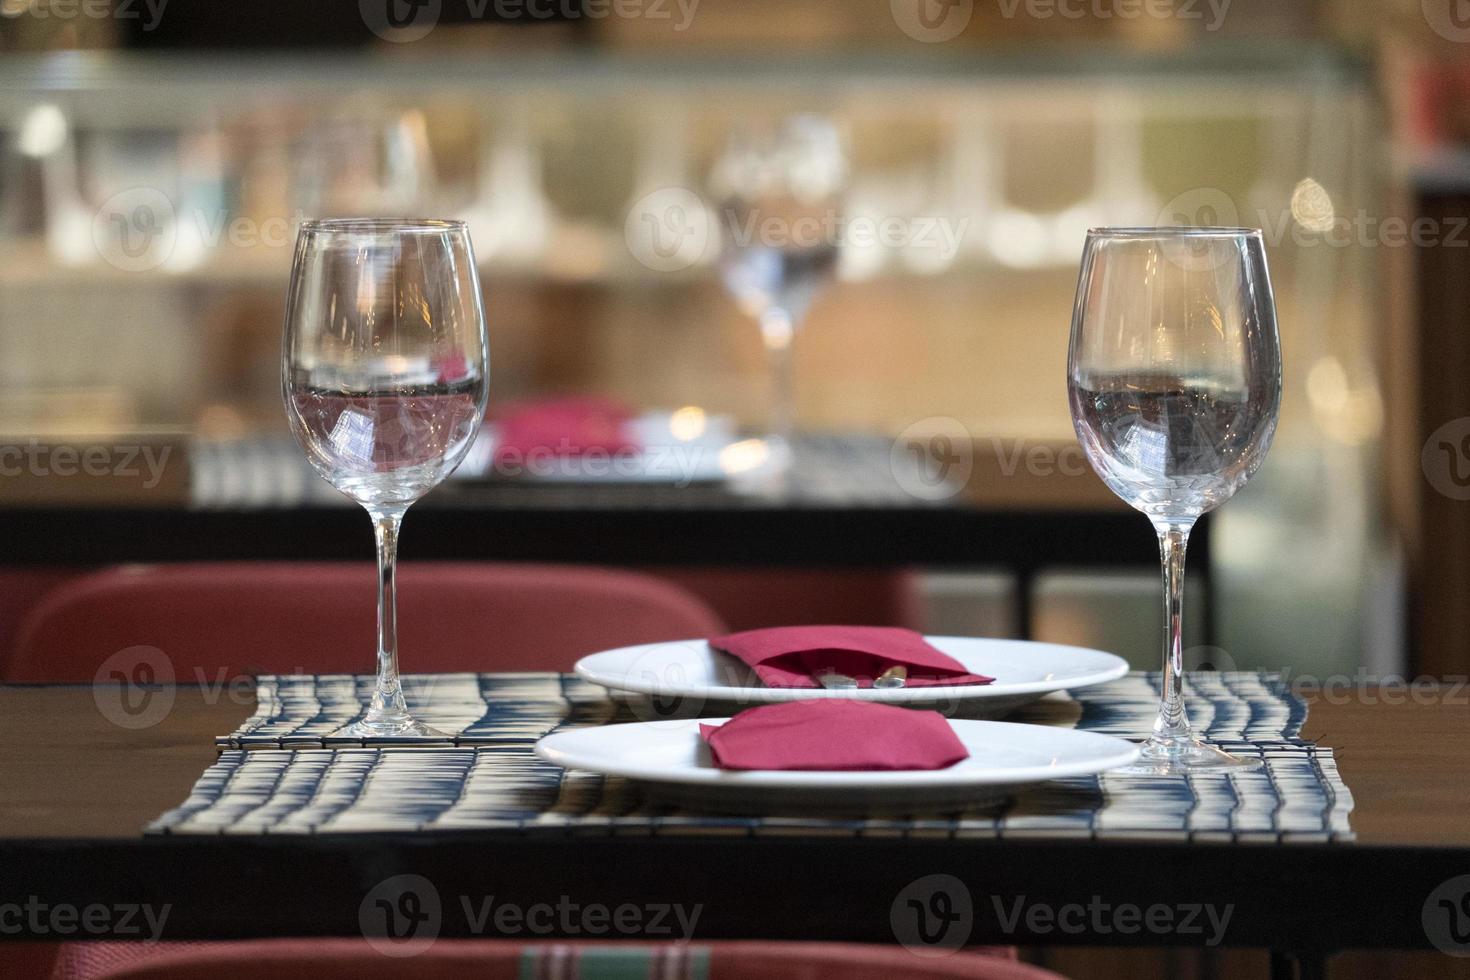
<point x="748" y="598"/>
<point x="21" y="590"/>
<point x="491" y="959"/>
<point x="251" y="618"/>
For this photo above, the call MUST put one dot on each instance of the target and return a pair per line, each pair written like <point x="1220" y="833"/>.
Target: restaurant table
<point x="1018" y="505"/>
<point x="79" y="789"/>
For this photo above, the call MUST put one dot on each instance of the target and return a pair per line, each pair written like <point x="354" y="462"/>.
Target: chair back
<point x="319" y="618"/>
<point x="491" y="959"/>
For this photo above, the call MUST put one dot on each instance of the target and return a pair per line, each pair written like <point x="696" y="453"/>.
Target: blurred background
<point x="155" y="159"/>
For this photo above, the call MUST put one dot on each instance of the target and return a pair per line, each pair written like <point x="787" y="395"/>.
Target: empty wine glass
<point x="384" y="373"/>
<point x="780" y="192"/>
<point x="1174" y="377"/>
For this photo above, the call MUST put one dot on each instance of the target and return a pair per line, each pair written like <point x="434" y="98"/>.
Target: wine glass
<point x="780" y="191"/>
<point x="1174" y="377"/>
<point x="384" y="374"/>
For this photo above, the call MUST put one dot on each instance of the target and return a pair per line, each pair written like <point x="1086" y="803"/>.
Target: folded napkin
<point x="573" y="426"/>
<point x="835" y="735"/>
<point x="793" y="656"/>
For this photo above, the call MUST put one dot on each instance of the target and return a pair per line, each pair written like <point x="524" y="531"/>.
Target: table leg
<point x="1298" y="966"/>
<point x="1025" y="597"/>
<point x="1311" y="966"/>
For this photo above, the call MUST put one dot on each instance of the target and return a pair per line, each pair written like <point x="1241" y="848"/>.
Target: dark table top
<point x="852" y="500"/>
<point x="78" y="790"/>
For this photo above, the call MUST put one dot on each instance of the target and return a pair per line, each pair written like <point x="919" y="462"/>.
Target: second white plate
<point x="692" y="671"/>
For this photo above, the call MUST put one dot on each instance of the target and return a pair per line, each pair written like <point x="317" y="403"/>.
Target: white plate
<point x="693" y="672"/>
<point x="671" y="758"/>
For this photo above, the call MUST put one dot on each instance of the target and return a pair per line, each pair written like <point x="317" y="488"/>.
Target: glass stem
<point x="387" y="705"/>
<point x="1172" y="726"/>
<point x="777" y="331"/>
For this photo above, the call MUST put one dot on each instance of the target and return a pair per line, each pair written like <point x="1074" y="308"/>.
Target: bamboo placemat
<point x="278" y="775"/>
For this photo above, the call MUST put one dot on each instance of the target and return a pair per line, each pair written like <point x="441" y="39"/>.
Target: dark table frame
<point x="1285" y="898"/>
<point x="1022" y="542"/>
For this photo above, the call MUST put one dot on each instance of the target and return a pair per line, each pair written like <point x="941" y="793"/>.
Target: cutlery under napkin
<point x="834" y="735"/>
<point x="796" y="656"/>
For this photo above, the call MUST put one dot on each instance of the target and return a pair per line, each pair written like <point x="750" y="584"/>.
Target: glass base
<point x="1187" y="756"/>
<point x="396" y="729"/>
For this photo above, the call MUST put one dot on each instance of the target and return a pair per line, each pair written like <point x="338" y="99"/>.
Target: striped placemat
<point x="282" y="773"/>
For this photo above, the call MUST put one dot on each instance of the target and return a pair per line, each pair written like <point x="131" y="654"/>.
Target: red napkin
<point x="834" y="734"/>
<point x="573" y="426"/>
<point x="792" y="656"/>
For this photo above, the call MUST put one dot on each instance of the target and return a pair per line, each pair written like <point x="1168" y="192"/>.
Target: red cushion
<point x="752" y="598"/>
<point x="321" y="618"/>
<point x="22" y="590"/>
<point x="491" y="959"/>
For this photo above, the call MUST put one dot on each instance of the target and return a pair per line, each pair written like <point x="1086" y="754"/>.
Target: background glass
<point x="384" y="375"/>
<point x="780" y="193"/>
<point x="1174" y="377"/>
